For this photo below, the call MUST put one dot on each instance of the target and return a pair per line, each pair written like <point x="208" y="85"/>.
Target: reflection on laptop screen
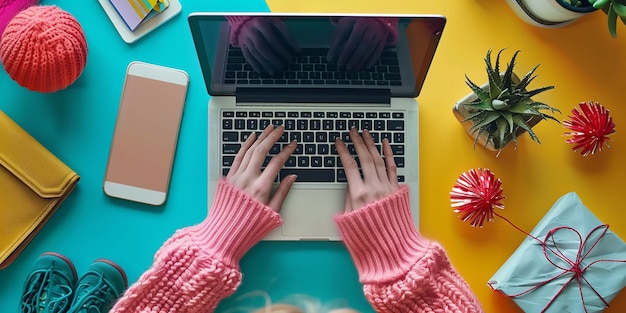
<point x="311" y="52"/>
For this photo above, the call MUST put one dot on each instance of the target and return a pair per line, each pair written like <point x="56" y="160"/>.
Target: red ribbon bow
<point x="556" y="257"/>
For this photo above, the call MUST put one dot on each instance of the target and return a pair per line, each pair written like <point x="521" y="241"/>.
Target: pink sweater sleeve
<point x="199" y="265"/>
<point x="402" y="271"/>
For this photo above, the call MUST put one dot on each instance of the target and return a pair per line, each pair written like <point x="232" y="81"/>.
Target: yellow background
<point x="581" y="60"/>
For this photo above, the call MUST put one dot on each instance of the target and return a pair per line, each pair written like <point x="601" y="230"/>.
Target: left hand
<point x="246" y="173"/>
<point x="357" y="42"/>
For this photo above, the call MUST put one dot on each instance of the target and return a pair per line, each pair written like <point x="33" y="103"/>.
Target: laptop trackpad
<point x="308" y="213"/>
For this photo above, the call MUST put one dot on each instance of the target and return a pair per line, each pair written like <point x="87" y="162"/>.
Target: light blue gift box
<point x="537" y="285"/>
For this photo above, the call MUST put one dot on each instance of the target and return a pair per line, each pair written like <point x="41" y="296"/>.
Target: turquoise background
<point x="76" y="124"/>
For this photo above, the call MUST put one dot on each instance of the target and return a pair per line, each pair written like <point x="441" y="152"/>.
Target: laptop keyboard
<point x="311" y="67"/>
<point x="315" y="158"/>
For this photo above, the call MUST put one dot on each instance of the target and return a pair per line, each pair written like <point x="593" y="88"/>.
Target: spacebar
<point x="310" y="175"/>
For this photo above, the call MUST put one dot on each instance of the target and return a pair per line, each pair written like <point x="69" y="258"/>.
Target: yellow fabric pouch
<point x="33" y="183"/>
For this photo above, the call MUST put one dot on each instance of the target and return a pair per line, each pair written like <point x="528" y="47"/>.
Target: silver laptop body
<point x="315" y="106"/>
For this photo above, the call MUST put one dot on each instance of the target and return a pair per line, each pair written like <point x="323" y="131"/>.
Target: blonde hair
<point x="292" y="304"/>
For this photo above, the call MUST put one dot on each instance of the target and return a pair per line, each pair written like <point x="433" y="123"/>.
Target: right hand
<point x="267" y="44"/>
<point x="380" y="177"/>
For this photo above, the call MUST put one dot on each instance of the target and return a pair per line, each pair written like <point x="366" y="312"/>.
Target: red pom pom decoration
<point x="590" y="128"/>
<point x="475" y="195"/>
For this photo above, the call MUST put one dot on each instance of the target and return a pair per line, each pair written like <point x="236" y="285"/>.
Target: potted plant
<point x="502" y="109"/>
<point x="558" y="13"/>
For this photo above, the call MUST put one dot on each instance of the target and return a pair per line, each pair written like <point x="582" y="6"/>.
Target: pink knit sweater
<point x="199" y="265"/>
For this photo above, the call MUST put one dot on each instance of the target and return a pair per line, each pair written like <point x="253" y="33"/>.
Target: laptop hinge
<point x="316" y="95"/>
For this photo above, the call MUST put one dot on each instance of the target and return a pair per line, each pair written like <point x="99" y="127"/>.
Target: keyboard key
<point x="291" y="162"/>
<point x="321" y="137"/>
<point x="227" y="160"/>
<point x="341" y="176"/>
<point x="228" y="114"/>
<point x="395" y="125"/>
<point x="309" y="149"/>
<point x="244" y="136"/>
<point x="297" y="136"/>
<point x="227" y="124"/>
<point x="318" y="175"/>
<point x="303" y="161"/>
<point x="290" y="124"/>
<point x="329" y="161"/>
<point x="398" y="138"/>
<point x="230" y="136"/>
<point x="323" y="149"/>
<point x="397" y="149"/>
<point x="341" y="125"/>
<point x="316" y="161"/>
<point x="399" y="161"/>
<point x="263" y="123"/>
<point x="230" y="148"/>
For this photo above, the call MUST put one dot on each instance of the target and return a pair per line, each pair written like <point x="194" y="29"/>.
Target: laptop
<point x="318" y="75"/>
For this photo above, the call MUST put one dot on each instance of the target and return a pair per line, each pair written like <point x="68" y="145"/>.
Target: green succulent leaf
<point x="527" y="79"/>
<point x="521" y="122"/>
<point x="488" y="118"/>
<point x="538" y="91"/>
<point x="507" y="78"/>
<point x="599" y="4"/>
<point x="507" y="117"/>
<point x="619" y="8"/>
<point x="612" y="21"/>
<point x="493" y="74"/>
<point x="502" y="126"/>
<point x="480" y="93"/>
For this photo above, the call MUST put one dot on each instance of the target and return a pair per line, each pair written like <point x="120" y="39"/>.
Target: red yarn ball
<point x="43" y="48"/>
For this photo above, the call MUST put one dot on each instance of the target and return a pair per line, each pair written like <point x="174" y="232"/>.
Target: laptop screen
<point x="312" y="52"/>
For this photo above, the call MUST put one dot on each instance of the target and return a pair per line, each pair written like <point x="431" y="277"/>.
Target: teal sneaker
<point x="96" y="291"/>
<point x="49" y="286"/>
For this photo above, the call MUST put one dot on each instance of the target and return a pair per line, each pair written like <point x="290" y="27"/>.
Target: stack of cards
<point x="136" y="12"/>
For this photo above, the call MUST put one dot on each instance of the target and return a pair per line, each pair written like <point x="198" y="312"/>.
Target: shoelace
<point x="94" y="299"/>
<point x="41" y="295"/>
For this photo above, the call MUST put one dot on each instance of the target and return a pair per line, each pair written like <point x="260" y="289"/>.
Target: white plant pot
<point x="547" y="13"/>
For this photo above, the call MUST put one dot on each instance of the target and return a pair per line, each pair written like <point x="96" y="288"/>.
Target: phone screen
<point x="145" y="136"/>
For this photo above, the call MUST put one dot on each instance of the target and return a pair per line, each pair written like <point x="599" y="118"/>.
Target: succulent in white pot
<point x="558" y="13"/>
<point x="502" y="109"/>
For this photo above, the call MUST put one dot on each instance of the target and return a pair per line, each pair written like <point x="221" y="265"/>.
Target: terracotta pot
<point x="548" y="13"/>
<point x="461" y="111"/>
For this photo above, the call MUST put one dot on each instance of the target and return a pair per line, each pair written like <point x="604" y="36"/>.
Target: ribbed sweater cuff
<point x="382" y="238"/>
<point x="236" y="222"/>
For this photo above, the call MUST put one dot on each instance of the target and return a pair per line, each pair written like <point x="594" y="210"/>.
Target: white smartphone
<point x="146" y="133"/>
